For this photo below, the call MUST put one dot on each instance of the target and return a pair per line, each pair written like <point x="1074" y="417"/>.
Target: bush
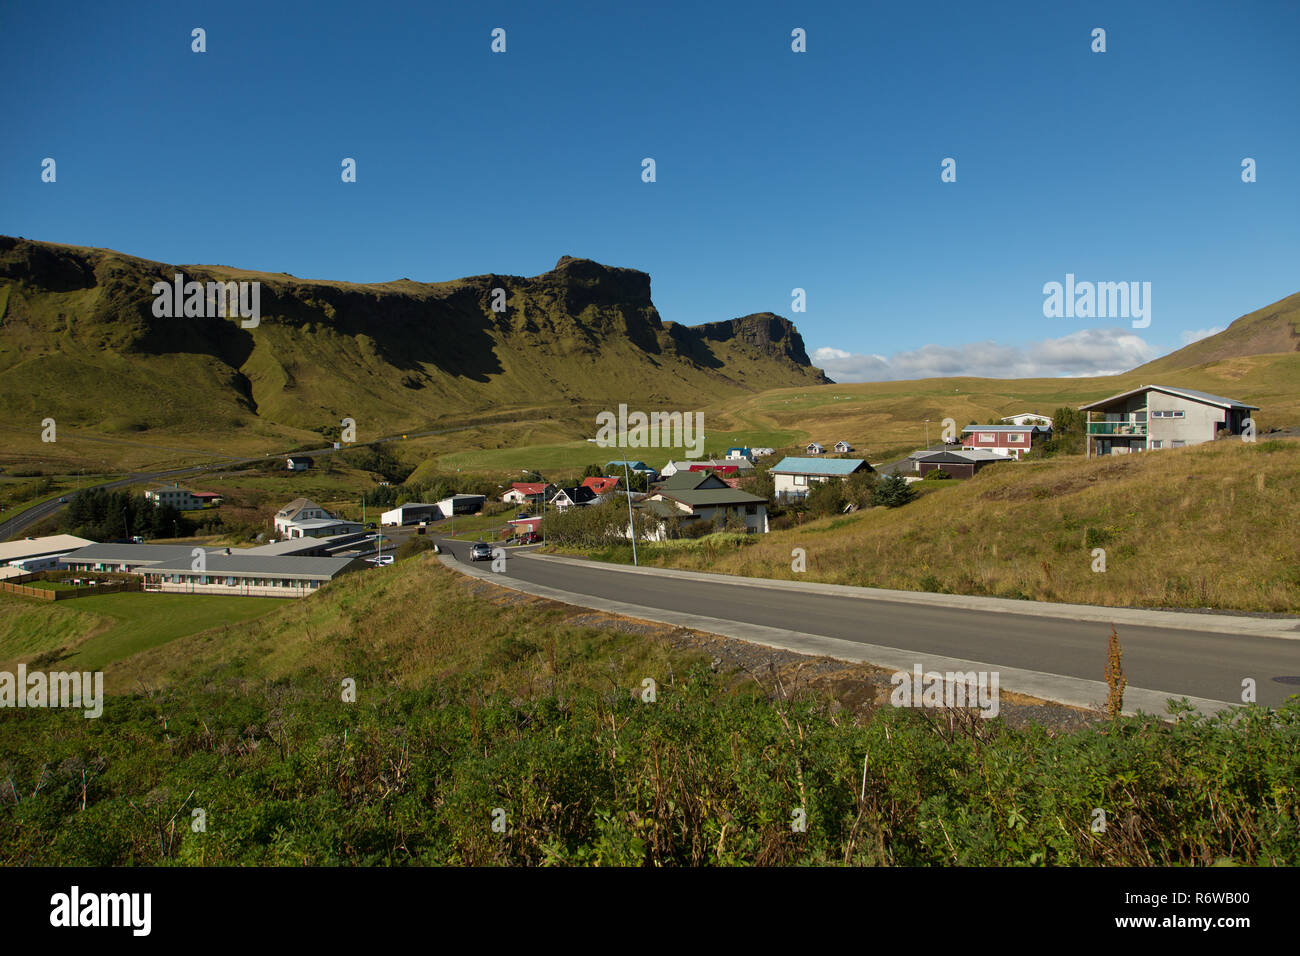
<point x="894" y="492"/>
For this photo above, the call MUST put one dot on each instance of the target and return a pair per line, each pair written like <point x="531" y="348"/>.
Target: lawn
<point x="109" y="627"/>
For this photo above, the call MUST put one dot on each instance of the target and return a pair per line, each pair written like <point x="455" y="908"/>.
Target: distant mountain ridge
<point x="78" y="337"/>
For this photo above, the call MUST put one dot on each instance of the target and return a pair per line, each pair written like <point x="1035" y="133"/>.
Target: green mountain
<point x="79" y="342"/>
<point x="1272" y="330"/>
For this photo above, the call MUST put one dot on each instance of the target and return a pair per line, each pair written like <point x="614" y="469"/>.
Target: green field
<point x="110" y="627"/>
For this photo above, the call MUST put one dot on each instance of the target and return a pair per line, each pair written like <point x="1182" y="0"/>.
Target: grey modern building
<point x="1158" y="416"/>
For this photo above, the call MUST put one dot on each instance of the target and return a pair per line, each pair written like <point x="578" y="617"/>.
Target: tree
<point x="894" y="492"/>
<point x="1068" y="426"/>
<point x="826" y="498"/>
<point x="860" y="488"/>
<point x="593" y="471"/>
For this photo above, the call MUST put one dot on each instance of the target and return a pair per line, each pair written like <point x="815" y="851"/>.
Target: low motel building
<point x="126" y="558"/>
<point x="39" y="554"/>
<point x="1006" y="440"/>
<point x="248" y="575"/>
<point x="792" y="478"/>
<point x="1158" y="416"/>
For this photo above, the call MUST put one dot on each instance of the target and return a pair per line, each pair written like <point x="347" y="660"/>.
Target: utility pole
<point x="631" y="519"/>
<point x="927" y="434"/>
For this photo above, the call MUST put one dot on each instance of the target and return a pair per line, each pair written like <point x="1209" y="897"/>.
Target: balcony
<point x="1118" y="429"/>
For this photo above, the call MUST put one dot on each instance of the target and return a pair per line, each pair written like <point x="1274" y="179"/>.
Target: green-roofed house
<point x="703" y="496"/>
<point x="794" y="477"/>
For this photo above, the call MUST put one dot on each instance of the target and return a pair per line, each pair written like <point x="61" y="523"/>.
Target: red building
<point x="1010" y="440"/>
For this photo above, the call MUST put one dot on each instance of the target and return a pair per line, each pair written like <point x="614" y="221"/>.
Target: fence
<point x="12" y="586"/>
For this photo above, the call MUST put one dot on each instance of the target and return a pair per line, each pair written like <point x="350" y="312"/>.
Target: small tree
<point x="894" y="492"/>
<point x="593" y="471"/>
<point x="1115" y="679"/>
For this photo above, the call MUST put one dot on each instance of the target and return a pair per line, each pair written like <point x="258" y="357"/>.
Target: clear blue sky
<point x="775" y="170"/>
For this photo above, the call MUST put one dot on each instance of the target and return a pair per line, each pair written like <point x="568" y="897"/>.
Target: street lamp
<point x="927" y="434"/>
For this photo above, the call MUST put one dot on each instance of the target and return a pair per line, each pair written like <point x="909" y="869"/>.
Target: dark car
<point x="529" y="537"/>
<point x="370" y="525"/>
<point x="481" y="551"/>
<point x="522" y="514"/>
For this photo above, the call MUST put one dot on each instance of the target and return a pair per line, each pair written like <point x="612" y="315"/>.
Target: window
<point x="1156" y="443"/>
<point x="800" y="480"/>
<point x="1016" y="437"/>
<point x="1169" y="414"/>
<point x="988" y="437"/>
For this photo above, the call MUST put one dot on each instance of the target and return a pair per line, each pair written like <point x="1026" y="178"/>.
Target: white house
<point x="527" y="492"/>
<point x="182" y="499"/>
<point x="843" y="447"/>
<point x="815" y="449"/>
<point x="793" y="478"/>
<point x="300" y="509"/>
<point x="1028" y="418"/>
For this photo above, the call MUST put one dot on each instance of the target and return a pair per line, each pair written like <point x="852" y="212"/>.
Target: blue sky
<point x="775" y="169"/>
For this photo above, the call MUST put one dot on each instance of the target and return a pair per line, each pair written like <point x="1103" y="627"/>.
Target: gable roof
<point x="600" y="485"/>
<point x="836" y="467"/>
<point x="1203" y="397"/>
<point x="1005" y="428"/>
<point x="686" y="480"/>
<point x="297" y="505"/>
<point x="530" y="487"/>
<point x="579" y="495"/>
<point x="962" y="457"/>
<point x="704" y="497"/>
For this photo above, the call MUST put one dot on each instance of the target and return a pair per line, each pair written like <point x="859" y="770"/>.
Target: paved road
<point x="1194" y="663"/>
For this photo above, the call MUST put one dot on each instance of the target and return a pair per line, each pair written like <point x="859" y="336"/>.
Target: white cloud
<point x="1195" y="335"/>
<point x="1082" y="353"/>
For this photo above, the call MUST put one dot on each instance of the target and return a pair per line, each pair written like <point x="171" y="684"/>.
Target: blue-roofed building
<point x="617" y="467"/>
<point x="1159" y="416"/>
<point x="794" y="477"/>
<point x="740" y="452"/>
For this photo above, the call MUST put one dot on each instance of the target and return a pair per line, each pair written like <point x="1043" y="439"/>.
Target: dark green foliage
<point x="894" y="492"/>
<point x="103" y="515"/>
<point x="287" y="774"/>
<point x="593" y="471"/>
<point x="1068" y="425"/>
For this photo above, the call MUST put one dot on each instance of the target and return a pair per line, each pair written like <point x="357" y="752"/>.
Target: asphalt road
<point x="1179" y="662"/>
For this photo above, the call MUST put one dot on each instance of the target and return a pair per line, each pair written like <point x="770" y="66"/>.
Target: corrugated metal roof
<point x="133" y="553"/>
<point x="714" y="496"/>
<point x="240" y="565"/>
<point x="1191" y="393"/>
<point x="818" y="466"/>
<point x="50" y="544"/>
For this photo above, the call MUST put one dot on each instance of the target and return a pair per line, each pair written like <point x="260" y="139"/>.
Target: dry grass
<point x="1209" y="526"/>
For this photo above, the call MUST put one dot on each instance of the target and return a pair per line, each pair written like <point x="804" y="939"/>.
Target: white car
<point x="382" y="560"/>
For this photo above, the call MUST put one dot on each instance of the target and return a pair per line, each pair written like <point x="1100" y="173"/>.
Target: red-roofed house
<point x="528" y="492"/>
<point x="601" y="486"/>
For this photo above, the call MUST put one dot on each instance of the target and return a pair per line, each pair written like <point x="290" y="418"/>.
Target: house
<point x="39" y="554"/>
<point x="618" y="467"/>
<point x="1009" y="440"/>
<point x="412" y="512"/>
<point x="740" y="452"/>
<point x="573" y="497"/>
<point x="298" y="463"/>
<point x="703" y="496"/>
<point x="176" y="497"/>
<point x="793" y="477"/>
<point x="527" y="492"/>
<point x="205" y="498"/>
<point x="300" y="509"/>
<point x="250" y="575"/>
<point x="815" y="449"/>
<point x="843" y="447"/>
<point x="601" y="486"/>
<point x="462" y="505"/>
<point x="762" y="453"/>
<point x="957" y="464"/>
<point x="1159" y="416"/>
<point x="1028" y="418"/>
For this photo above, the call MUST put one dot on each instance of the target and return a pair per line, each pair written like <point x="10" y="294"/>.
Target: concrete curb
<point x="1280" y="628"/>
<point x="1073" y="691"/>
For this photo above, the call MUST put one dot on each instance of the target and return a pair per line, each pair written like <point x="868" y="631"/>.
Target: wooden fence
<point x="14" y="585"/>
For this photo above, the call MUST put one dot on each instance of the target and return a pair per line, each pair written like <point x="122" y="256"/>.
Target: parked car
<point x="383" y="559"/>
<point x="63" y="501"/>
<point x="522" y="514"/>
<point x="370" y="526"/>
<point x="530" y="537"/>
<point x="481" y="551"/>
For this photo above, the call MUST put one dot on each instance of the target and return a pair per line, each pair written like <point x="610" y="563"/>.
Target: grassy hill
<point x="79" y="343"/>
<point x="1207" y="526"/>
